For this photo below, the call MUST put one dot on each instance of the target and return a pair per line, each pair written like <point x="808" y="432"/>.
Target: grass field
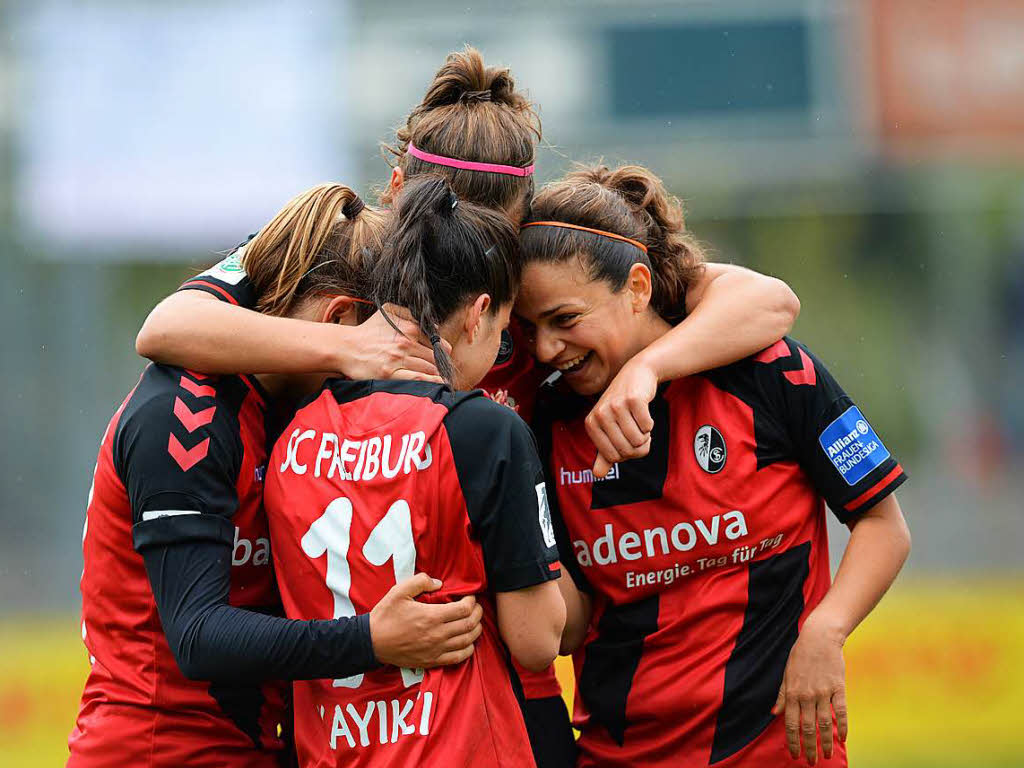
<point x="936" y="680"/>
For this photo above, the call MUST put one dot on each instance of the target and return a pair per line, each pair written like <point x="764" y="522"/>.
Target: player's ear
<point x="639" y="285"/>
<point x="341" y="310"/>
<point x="474" y="315"/>
<point x="397" y="181"/>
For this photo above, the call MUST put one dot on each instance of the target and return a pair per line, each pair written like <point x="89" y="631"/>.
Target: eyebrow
<point x="549" y="312"/>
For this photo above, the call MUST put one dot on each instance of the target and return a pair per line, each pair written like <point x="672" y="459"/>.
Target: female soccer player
<point x="474" y="128"/>
<point x="178" y="577"/>
<point x="703" y="604"/>
<point x="478" y="131"/>
<point x="372" y="480"/>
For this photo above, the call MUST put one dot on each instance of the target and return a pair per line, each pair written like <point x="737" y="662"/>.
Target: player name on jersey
<point x="380" y="722"/>
<point x="358" y="460"/>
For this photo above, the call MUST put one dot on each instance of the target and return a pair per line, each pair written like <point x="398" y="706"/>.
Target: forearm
<point x="878" y="547"/>
<point x="577" y="614"/>
<point x="733" y="313"/>
<point x="194" y="330"/>
<point x="530" y="622"/>
<point x="234" y="644"/>
<point x="212" y="640"/>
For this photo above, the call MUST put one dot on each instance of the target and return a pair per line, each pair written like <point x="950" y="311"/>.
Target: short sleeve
<point x="226" y="280"/>
<point x="503" y="483"/>
<point x="832" y="438"/>
<point x="178" y="453"/>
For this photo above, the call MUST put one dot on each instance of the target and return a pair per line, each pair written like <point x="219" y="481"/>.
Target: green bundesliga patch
<point x="229" y="270"/>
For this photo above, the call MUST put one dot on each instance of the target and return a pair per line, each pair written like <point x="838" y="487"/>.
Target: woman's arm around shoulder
<point x="731" y="313"/>
<point x="195" y="330"/>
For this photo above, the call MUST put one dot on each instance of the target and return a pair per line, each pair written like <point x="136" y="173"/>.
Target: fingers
<point x="451" y="657"/>
<point x="601" y="466"/>
<point x="808" y="731"/>
<point x="461" y="641"/>
<point x="616" y="423"/>
<point x="403" y="373"/>
<point x="415" y="585"/>
<point x="839" y="705"/>
<point x="622" y="417"/>
<point x="460" y="609"/>
<point x="463" y="626"/>
<point x="793" y="727"/>
<point x="780" y="701"/>
<point x="397" y="312"/>
<point x="407" y="324"/>
<point x="641" y="413"/>
<point x="616" y="435"/>
<point x="823" y="708"/>
<point x="419" y="365"/>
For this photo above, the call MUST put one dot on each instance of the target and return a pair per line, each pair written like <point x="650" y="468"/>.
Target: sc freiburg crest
<point x="709" y="448"/>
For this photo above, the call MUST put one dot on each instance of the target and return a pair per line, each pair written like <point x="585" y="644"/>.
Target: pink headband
<point x="468" y="165"/>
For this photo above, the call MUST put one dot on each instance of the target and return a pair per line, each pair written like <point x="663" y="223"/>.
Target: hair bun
<point x="465" y="79"/>
<point x="353" y="207"/>
<point x="471" y="97"/>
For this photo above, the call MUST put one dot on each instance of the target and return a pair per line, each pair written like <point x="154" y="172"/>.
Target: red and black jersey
<point x="705" y="556"/>
<point x="370" y="483"/>
<point x="182" y="461"/>
<point x="516" y="371"/>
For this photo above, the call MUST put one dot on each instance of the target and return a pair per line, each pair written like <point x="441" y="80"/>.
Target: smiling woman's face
<point x="580" y="326"/>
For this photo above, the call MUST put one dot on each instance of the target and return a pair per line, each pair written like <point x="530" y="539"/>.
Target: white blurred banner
<point x="168" y="126"/>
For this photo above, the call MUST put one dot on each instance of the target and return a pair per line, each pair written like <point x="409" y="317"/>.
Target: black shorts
<point x="547" y="722"/>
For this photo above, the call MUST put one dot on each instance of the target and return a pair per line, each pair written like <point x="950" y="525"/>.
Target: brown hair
<point x="445" y="251"/>
<point x="629" y="201"/>
<point x="321" y="241"/>
<point x="472" y="112"/>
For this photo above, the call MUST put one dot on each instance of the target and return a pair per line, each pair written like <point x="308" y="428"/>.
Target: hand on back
<point x="408" y="633"/>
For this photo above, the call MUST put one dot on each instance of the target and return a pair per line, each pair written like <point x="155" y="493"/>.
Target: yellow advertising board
<point x="935" y="677"/>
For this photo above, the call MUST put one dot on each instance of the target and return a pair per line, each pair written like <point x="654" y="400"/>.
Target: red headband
<point x="601" y="232"/>
<point x="468" y="165"/>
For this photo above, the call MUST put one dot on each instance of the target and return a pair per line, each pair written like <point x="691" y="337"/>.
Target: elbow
<point x="191" y="664"/>
<point x="538" y="656"/>
<point x="194" y="671"/>
<point x="145" y="343"/>
<point x="194" y="657"/>
<point x="149" y="342"/>
<point x="536" y="651"/>
<point x="785" y="307"/>
<point x="904" y="540"/>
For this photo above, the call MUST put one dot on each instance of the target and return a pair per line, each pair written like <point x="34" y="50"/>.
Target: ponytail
<point x="627" y="202"/>
<point x="317" y="242"/>
<point x="444" y="251"/>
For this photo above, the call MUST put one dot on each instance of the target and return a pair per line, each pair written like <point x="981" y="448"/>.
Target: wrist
<point x="365" y="623"/>
<point x="648" y="360"/>
<point x="827" y="623"/>
<point x="333" y="347"/>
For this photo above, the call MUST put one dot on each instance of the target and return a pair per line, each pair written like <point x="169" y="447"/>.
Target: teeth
<point x="567" y="365"/>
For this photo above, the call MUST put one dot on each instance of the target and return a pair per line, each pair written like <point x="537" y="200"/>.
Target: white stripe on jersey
<point x="153" y="514"/>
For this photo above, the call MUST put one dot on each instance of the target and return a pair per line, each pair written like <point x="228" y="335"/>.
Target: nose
<point x="547" y="345"/>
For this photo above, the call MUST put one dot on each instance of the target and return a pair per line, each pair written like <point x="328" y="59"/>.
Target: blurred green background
<point x="869" y="153"/>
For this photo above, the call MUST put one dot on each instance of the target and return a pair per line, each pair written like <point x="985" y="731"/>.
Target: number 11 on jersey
<point x="391" y="539"/>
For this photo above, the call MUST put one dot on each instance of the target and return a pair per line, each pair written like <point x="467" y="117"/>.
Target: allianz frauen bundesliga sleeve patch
<point x="852" y="446"/>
